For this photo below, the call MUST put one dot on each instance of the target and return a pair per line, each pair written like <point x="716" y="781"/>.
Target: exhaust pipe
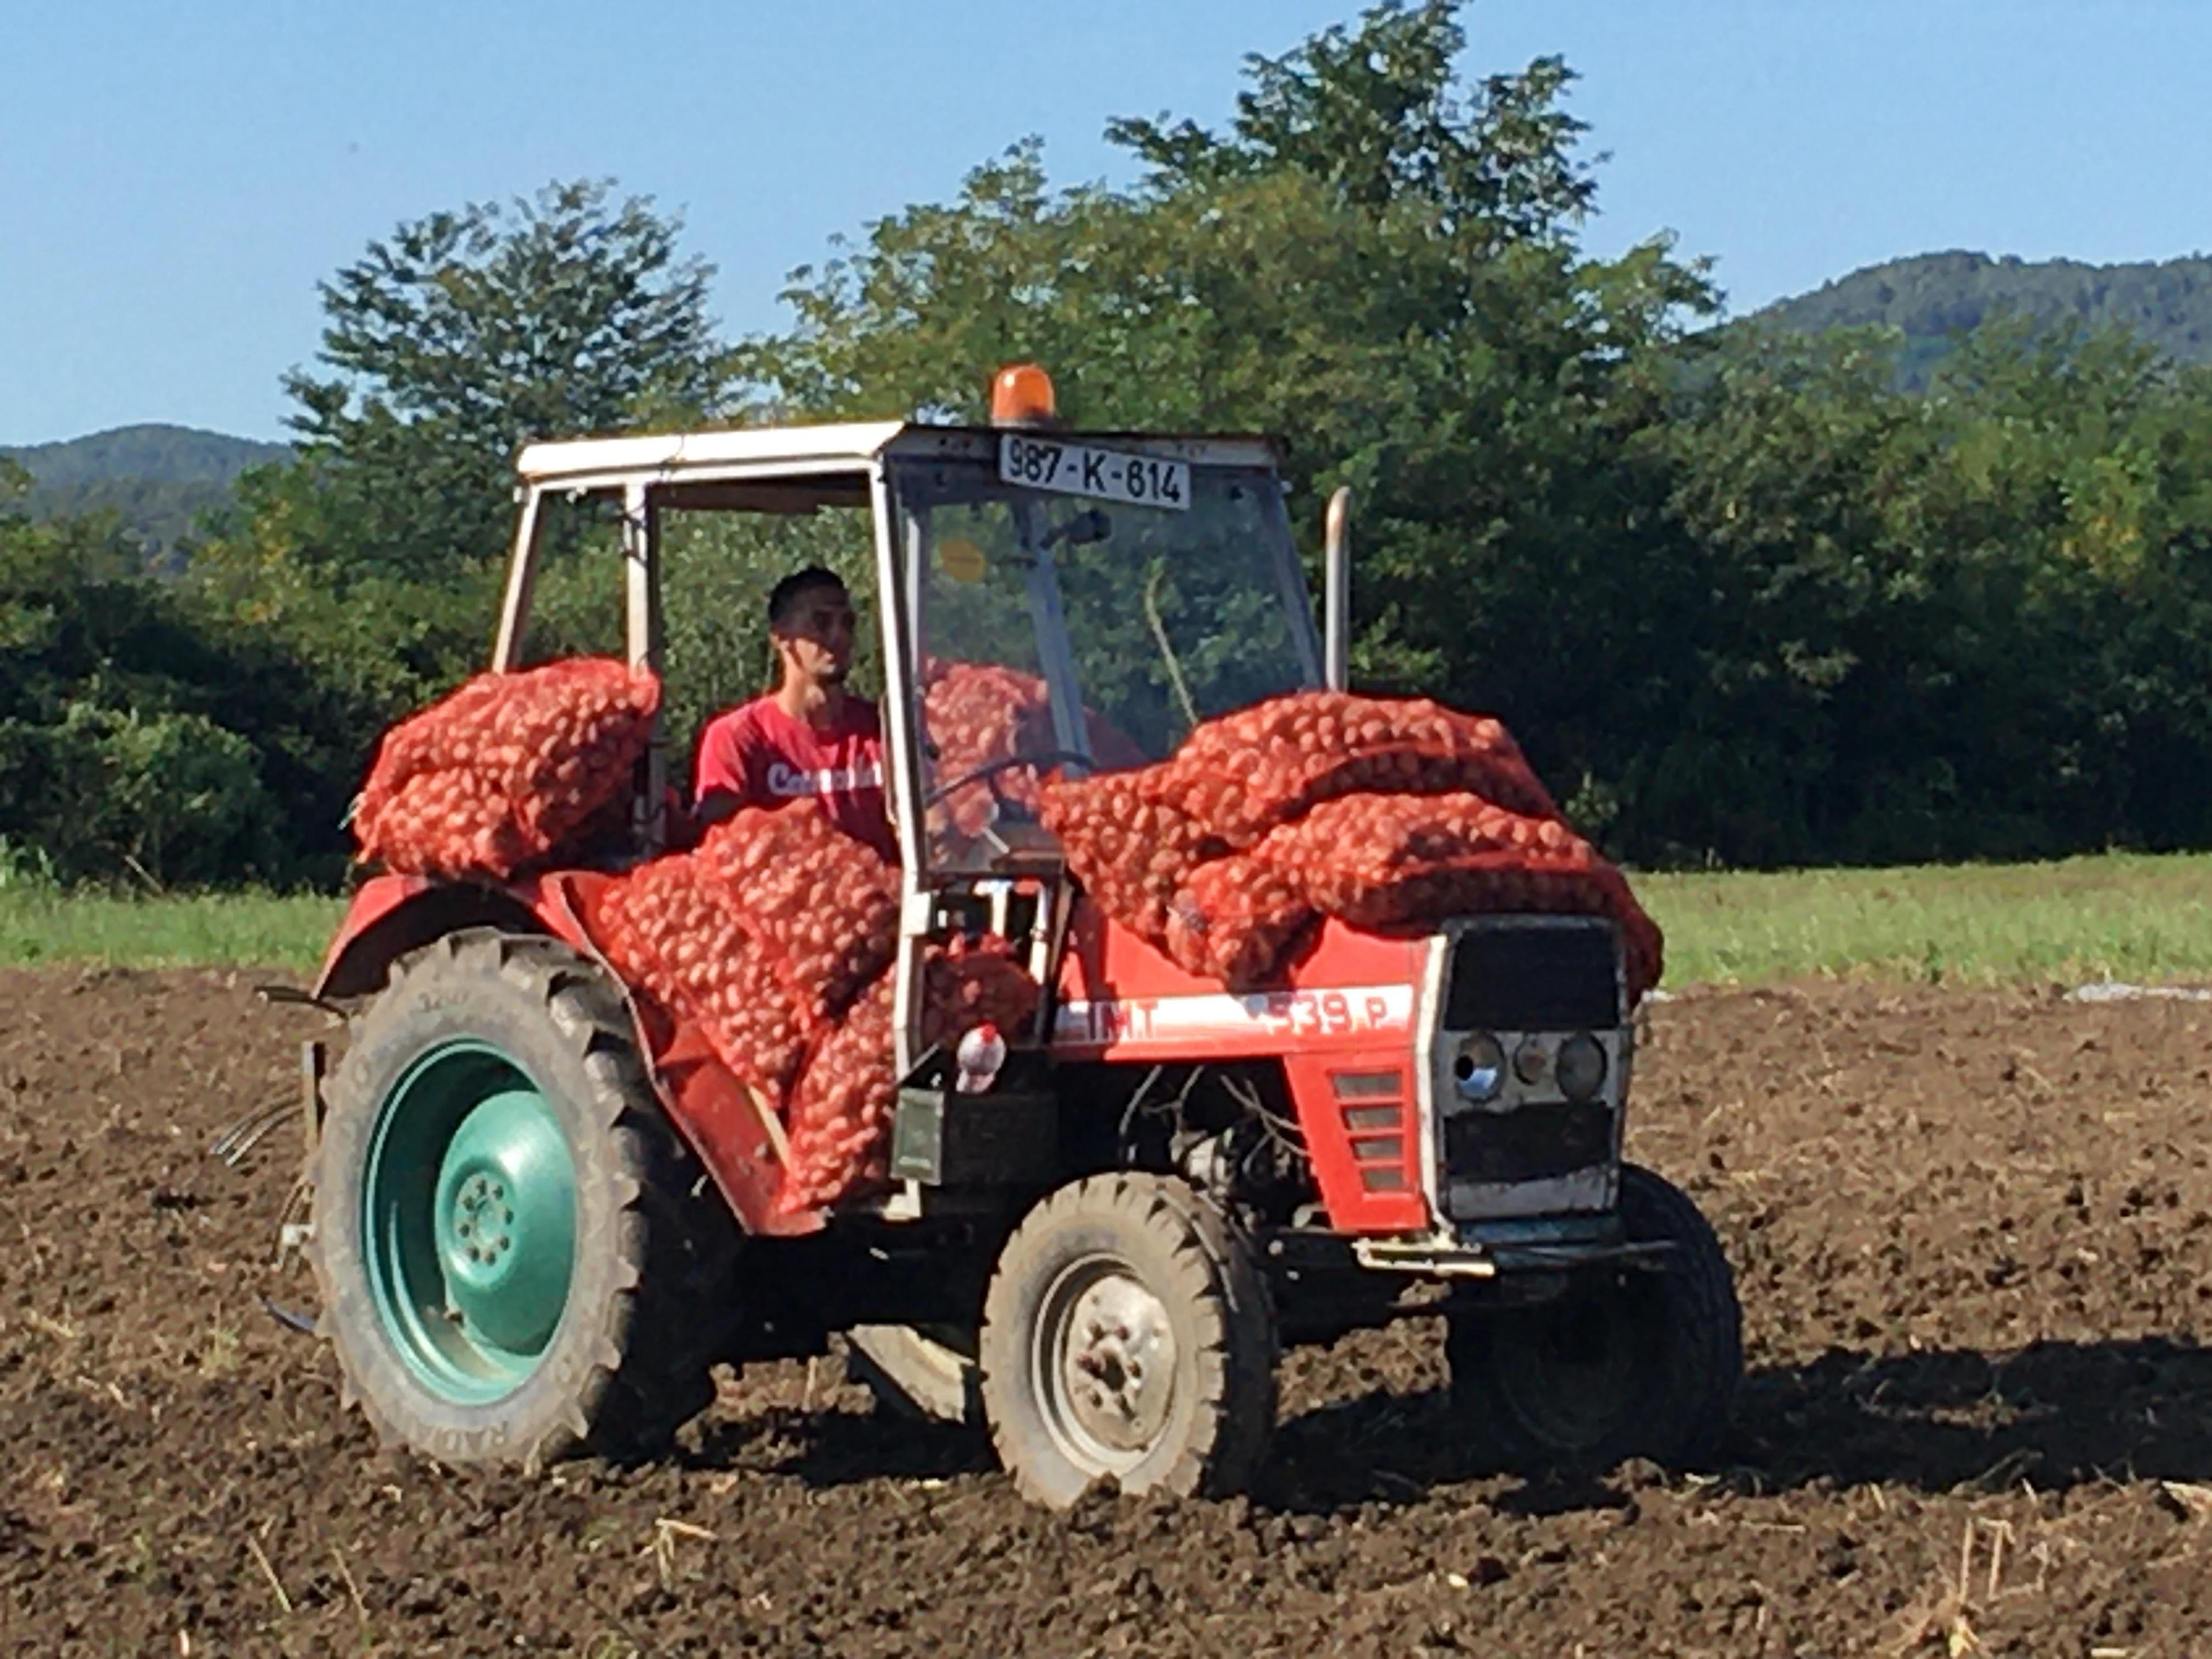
<point x="1336" y="640"/>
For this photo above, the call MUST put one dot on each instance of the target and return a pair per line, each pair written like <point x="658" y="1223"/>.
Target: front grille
<point x="1533" y="978"/>
<point x="1539" y="1142"/>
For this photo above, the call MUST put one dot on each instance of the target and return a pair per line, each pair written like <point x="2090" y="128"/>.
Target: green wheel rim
<point x="469" y="1222"/>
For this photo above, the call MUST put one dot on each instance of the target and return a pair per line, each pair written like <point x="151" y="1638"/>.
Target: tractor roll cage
<point x="800" y="469"/>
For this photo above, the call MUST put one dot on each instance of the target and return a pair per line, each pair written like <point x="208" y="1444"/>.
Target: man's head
<point x="810" y="621"/>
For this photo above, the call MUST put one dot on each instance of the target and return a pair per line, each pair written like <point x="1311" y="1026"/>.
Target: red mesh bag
<point x="1244" y="774"/>
<point x="1390" y="860"/>
<point x="1382" y="812"/>
<point x="1362" y="844"/>
<point x="777" y="918"/>
<point x="1133" y="851"/>
<point x="825" y="904"/>
<point x="450" y="822"/>
<point x="668" y="927"/>
<point x="505" y="772"/>
<point x="975" y="714"/>
<point x="1237" y="919"/>
<point x="841" y="1112"/>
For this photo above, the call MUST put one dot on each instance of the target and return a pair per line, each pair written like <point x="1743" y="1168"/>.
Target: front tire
<point x="1644" y="1364"/>
<point x="517" y="1256"/>
<point x="1126" y="1333"/>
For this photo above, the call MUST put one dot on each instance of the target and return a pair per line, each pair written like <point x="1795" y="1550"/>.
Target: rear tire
<point x="518" y="1257"/>
<point x="1126" y="1333"/>
<point x="1643" y="1364"/>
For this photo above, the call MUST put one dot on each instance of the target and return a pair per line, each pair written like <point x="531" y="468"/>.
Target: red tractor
<point x="537" y="1224"/>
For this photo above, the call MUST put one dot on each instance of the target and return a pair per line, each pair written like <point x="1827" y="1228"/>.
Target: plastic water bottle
<point x="980" y="1055"/>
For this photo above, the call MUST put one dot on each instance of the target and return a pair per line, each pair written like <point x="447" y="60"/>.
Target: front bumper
<point x="1494" y="1250"/>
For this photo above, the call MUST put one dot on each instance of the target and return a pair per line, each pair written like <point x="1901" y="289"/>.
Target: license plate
<point x="1107" y="474"/>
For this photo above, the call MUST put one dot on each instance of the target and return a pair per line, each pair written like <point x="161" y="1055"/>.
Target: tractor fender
<point x="738" y="1136"/>
<point x="391" y="915"/>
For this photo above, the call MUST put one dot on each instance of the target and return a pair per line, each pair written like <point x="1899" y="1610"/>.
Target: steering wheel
<point x="1038" y="757"/>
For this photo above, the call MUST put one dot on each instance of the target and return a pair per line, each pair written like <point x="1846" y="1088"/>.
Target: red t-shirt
<point x="763" y="757"/>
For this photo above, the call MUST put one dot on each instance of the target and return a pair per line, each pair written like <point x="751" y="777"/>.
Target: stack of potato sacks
<point x="774" y="938"/>
<point x="1384" y="814"/>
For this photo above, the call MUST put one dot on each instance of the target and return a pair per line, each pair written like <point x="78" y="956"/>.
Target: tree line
<point x="1745" y="597"/>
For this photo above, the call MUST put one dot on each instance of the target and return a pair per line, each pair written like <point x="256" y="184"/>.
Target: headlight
<point x="1580" y="1066"/>
<point x="1479" y="1068"/>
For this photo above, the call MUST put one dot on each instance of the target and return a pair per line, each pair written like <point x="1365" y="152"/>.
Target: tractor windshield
<point x="1076" y="628"/>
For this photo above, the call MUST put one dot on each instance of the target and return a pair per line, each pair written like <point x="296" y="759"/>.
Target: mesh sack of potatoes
<point x="1237" y="919"/>
<point x="976" y="714"/>
<point x="973" y="714"/>
<point x="507" y="772"/>
<point x="1244" y="774"/>
<point x="449" y="822"/>
<point x="841" y="1111"/>
<point x="1394" y="861"/>
<point x="839" y="1126"/>
<point x="668" y="929"/>
<point x="763" y="936"/>
<point x="1382" y="812"/>
<point x="824" y="905"/>
<point x="1133" y="850"/>
<point x="775" y="939"/>
<point x="1359" y="845"/>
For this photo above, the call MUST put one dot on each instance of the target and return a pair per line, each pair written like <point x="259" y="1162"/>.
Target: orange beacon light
<point x="1022" y="395"/>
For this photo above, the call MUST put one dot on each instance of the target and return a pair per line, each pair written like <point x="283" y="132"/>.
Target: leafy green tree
<point x="1972" y="622"/>
<point x="467" y="333"/>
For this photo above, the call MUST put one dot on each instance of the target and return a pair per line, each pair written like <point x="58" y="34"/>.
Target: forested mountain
<point x="157" y="479"/>
<point x="154" y="453"/>
<point x="1933" y="297"/>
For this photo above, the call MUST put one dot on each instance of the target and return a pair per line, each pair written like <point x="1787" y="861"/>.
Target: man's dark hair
<point x="783" y="597"/>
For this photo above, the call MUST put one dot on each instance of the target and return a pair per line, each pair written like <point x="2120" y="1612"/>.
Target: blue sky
<point x="174" y="180"/>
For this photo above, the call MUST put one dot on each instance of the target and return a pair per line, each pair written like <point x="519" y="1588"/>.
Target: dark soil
<point x="1974" y="1237"/>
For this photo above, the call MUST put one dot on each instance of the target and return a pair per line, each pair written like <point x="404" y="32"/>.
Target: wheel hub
<point x="507" y="1221"/>
<point x="481" y="1219"/>
<point x="1116" y="1369"/>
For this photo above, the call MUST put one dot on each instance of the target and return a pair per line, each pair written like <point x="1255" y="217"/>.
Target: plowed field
<point x="1974" y="1238"/>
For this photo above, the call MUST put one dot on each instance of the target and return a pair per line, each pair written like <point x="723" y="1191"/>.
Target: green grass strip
<point x="259" y="930"/>
<point x="2115" y="916"/>
<point x="2121" y="916"/>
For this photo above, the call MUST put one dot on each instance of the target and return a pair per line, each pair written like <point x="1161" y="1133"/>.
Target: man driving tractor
<point x="809" y="737"/>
